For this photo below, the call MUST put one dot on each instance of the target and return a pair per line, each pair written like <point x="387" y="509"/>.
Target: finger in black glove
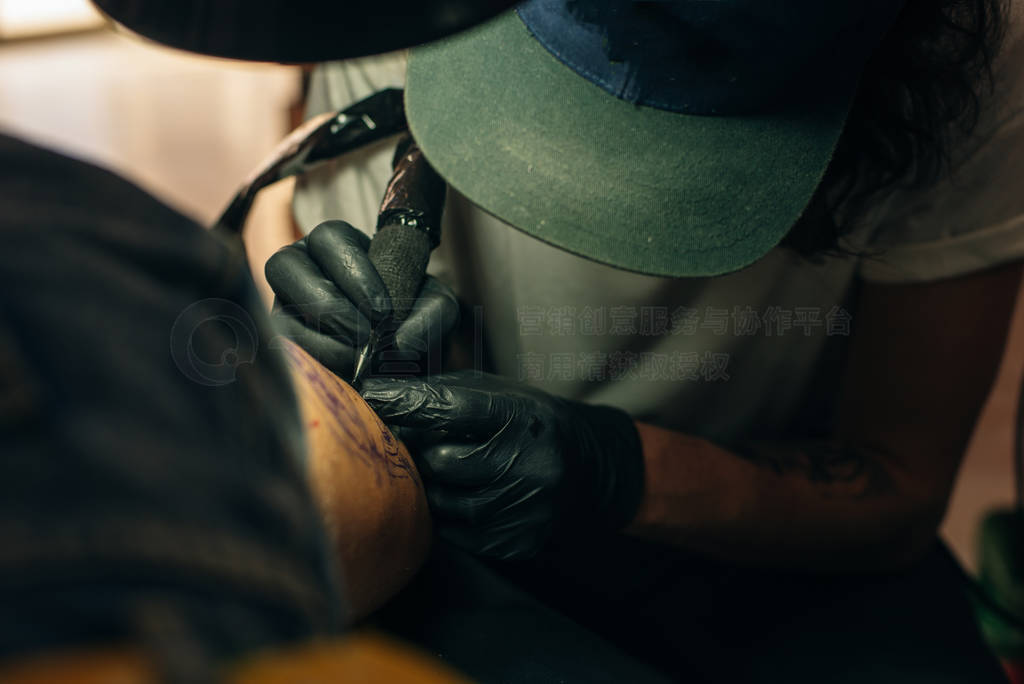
<point x="328" y="294"/>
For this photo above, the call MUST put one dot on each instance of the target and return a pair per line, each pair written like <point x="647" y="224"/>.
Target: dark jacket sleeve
<point x="151" y="476"/>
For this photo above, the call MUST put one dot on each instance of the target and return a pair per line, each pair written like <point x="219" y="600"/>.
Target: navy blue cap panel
<point x="711" y="56"/>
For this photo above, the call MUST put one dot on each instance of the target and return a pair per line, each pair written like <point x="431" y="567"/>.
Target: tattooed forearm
<point x="364" y="482"/>
<point x="822" y="462"/>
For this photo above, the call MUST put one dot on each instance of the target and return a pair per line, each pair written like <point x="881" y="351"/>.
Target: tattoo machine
<point x="409" y="223"/>
<point x="408" y="229"/>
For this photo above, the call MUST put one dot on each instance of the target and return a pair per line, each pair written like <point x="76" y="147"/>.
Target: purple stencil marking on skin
<point x="366" y="450"/>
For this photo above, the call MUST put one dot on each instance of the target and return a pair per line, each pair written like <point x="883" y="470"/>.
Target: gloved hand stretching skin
<point x="507" y="466"/>
<point x="329" y="294"/>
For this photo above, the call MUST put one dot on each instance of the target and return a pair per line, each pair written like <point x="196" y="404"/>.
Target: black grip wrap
<point x="400" y="253"/>
<point x="408" y="226"/>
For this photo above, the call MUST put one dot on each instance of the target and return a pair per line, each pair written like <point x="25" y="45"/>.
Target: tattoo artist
<point x="697" y="158"/>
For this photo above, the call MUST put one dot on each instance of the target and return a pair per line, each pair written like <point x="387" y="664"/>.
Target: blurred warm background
<point x="189" y="129"/>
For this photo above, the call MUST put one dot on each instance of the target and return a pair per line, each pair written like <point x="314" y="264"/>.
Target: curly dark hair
<point x="921" y="91"/>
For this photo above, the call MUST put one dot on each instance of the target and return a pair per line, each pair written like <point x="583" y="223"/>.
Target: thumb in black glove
<point x="329" y="294"/>
<point x="506" y="465"/>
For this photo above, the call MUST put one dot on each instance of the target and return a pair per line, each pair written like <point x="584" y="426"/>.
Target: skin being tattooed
<point x="349" y="421"/>
<point x="366" y="485"/>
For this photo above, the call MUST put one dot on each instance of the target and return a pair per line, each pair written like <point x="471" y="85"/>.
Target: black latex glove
<point x="506" y="466"/>
<point x="329" y="293"/>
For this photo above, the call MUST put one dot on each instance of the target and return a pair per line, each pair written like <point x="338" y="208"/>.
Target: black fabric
<point x="151" y="481"/>
<point x="472" y="618"/>
<point x="631" y="611"/>
<point x="298" y="31"/>
<point x="703" y="621"/>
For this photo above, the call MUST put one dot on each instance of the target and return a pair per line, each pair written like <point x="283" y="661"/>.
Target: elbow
<point x="912" y="527"/>
<point x="911" y="497"/>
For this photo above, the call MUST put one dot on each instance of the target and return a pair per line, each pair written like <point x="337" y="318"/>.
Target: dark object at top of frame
<point x="298" y="31"/>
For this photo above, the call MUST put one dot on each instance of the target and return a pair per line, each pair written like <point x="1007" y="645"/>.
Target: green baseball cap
<point x="676" y="138"/>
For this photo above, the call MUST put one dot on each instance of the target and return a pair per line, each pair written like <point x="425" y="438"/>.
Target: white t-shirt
<point x="752" y="354"/>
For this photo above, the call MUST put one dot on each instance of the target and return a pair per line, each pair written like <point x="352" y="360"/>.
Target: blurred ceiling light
<point x="34" y="18"/>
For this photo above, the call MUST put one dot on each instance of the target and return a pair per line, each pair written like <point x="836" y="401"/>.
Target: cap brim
<point x="297" y="31"/>
<point x="530" y="141"/>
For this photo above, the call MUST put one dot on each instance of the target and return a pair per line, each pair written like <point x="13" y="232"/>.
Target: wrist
<point x="604" y="468"/>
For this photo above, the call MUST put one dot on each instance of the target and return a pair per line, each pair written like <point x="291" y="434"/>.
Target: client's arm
<point x="365" y="483"/>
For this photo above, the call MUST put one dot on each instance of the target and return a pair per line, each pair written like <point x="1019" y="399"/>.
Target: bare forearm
<point x="813" y="506"/>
